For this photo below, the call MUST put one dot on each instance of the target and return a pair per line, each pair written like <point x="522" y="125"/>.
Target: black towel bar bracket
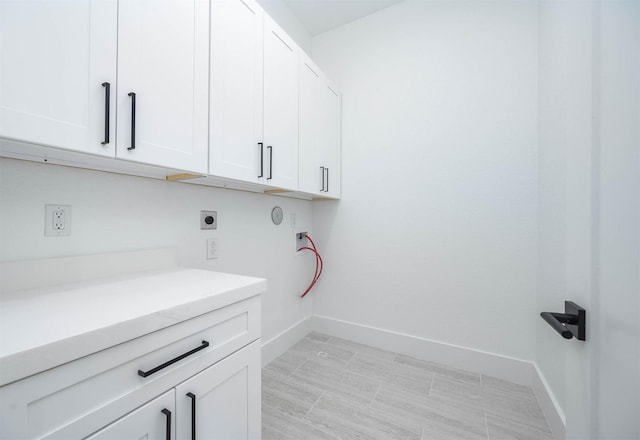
<point x="572" y="322"/>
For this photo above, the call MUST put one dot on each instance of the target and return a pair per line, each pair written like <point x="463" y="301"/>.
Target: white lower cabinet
<point x="222" y="402"/>
<point x="153" y="421"/>
<point x="200" y="376"/>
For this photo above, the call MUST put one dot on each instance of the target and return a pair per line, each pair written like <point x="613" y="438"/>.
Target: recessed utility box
<point x="300" y="241"/>
<point x="208" y="220"/>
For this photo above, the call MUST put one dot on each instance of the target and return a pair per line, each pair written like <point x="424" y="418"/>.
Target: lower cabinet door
<point x="153" y="421"/>
<point x="223" y="401"/>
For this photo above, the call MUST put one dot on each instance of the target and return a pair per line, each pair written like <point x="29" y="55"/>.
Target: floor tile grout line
<point x="396" y="354"/>
<point x="298" y="367"/>
<point x="486" y="425"/>
<point x="314" y="404"/>
<point x="508" y="420"/>
<point x="438" y="365"/>
<point x="376" y="394"/>
<point x="305" y="422"/>
<point x="308" y="423"/>
<point x="350" y="358"/>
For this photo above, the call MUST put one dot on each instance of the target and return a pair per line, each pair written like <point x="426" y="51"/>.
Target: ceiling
<point x="322" y="15"/>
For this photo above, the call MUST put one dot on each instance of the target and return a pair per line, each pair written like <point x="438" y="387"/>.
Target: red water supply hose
<point x="319" y="265"/>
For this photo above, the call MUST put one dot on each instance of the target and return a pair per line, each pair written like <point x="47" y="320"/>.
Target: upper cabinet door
<point x="235" y="91"/>
<point x="54" y="57"/>
<point x="280" y="107"/>
<point x="330" y="139"/>
<point x="311" y="171"/>
<point x="162" y="82"/>
<point x="319" y="152"/>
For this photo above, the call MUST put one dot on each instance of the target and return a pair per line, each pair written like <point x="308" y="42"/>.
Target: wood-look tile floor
<point x="327" y="388"/>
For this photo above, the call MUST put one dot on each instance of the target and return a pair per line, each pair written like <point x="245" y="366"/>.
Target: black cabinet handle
<point x="204" y="345"/>
<point x="322" y="186"/>
<point x="107" y="99"/>
<point x="193" y="415"/>
<point x="133" y="121"/>
<point x="167" y="413"/>
<point x="327" y="187"/>
<point x="270" y="148"/>
<point x="261" y="159"/>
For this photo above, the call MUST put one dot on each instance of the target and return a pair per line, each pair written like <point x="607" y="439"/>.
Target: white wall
<point x="286" y="19"/>
<point x="435" y="235"/>
<point x="617" y="326"/>
<point x="112" y="213"/>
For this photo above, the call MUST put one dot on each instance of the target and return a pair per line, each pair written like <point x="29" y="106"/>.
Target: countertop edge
<point x="20" y="365"/>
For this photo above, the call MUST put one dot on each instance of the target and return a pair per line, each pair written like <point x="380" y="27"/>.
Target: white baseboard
<point x="286" y="339"/>
<point x="550" y="407"/>
<point x="502" y="367"/>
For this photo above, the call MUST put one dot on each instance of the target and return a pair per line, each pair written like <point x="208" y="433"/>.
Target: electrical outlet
<point x="212" y="248"/>
<point x="57" y="220"/>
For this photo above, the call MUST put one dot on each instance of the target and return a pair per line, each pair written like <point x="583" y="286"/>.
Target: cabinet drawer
<point x="46" y="404"/>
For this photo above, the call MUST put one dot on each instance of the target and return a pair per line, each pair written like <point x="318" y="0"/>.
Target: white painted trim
<point x="503" y="367"/>
<point x="284" y="340"/>
<point x="549" y="404"/>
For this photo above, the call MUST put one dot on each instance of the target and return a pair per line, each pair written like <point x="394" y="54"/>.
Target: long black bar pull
<point x="327" y="188"/>
<point x="261" y="159"/>
<point x="270" y="148"/>
<point x="573" y="322"/>
<point x="322" y="172"/>
<point x="204" y="345"/>
<point x="133" y="121"/>
<point x="167" y="413"/>
<point x="107" y="106"/>
<point x="193" y="415"/>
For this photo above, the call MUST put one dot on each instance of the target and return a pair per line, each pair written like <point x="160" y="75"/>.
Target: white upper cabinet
<point x="208" y="87"/>
<point x="163" y="50"/>
<point x="319" y="154"/>
<point x="54" y="57"/>
<point x="311" y="174"/>
<point x="330" y="139"/>
<point x="280" y="107"/>
<point x="236" y="71"/>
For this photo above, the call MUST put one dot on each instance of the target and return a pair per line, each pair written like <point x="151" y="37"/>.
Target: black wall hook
<point x="572" y="322"/>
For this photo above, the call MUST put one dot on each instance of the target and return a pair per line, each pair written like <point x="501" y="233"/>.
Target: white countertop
<point x="46" y="327"/>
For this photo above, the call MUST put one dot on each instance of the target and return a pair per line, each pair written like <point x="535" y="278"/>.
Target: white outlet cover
<point x="63" y="226"/>
<point x="212" y="248"/>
